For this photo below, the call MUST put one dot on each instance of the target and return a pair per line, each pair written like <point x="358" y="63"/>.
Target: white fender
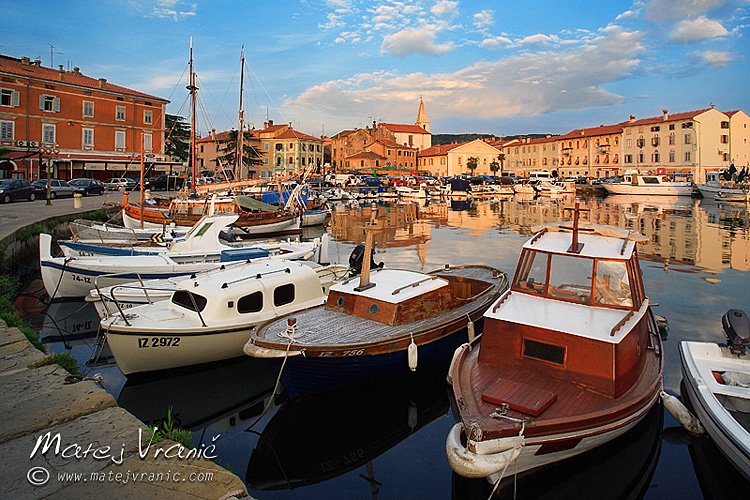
<point x="413" y="356"/>
<point x="472" y="465"/>
<point x="45" y="246"/>
<point x="456" y="354"/>
<point x="678" y="410"/>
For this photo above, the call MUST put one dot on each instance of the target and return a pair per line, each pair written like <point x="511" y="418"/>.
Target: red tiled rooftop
<point x="293" y="134"/>
<point x="410" y="129"/>
<point x="687" y="115"/>
<point x="14" y="66"/>
<point x="438" y="150"/>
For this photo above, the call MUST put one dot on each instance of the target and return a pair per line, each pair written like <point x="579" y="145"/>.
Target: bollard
<point x="77" y="202"/>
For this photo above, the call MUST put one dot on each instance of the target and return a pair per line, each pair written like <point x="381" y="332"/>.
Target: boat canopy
<point x="250" y="203"/>
<point x="458" y="184"/>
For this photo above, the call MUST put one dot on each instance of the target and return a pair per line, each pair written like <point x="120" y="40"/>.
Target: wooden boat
<point x="83" y="229"/>
<point x="643" y="184"/>
<point x="75" y="276"/>
<point x="209" y="317"/>
<point x="255" y="217"/>
<point x="717" y="384"/>
<point x="565" y="362"/>
<point x="372" y="327"/>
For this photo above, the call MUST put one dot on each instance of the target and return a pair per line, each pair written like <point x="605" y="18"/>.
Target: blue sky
<point x="500" y="67"/>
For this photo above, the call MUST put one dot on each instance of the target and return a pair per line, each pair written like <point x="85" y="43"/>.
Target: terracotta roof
<point x="221" y="136"/>
<point x="15" y="66"/>
<point x="536" y="140"/>
<point x="293" y="134"/>
<point x="343" y="133"/>
<point x="687" y="115"/>
<point x="366" y="155"/>
<point x="411" y="129"/>
<point x="591" y="132"/>
<point x="438" y="150"/>
<point x="732" y="113"/>
<point x="392" y="144"/>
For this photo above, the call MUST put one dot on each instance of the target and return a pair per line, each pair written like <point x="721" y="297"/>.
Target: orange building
<point x="88" y="127"/>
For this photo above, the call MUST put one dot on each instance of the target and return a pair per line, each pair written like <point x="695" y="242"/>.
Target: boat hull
<point x="657" y="190"/>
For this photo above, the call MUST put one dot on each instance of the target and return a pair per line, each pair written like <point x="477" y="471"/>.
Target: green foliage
<point x="177" y="137"/>
<point x="494" y="167"/>
<point x="64" y="359"/>
<point x="170" y="430"/>
<point x="9" y="288"/>
<point x="472" y="164"/>
<point x="228" y="149"/>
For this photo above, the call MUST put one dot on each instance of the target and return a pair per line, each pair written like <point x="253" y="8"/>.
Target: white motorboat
<point x="717" y="383"/>
<point x="83" y="229"/>
<point x="209" y="317"/>
<point x="643" y="184"/>
<point x="75" y="276"/>
<point x="525" y="187"/>
<point x="411" y="192"/>
<point x="717" y="188"/>
<point x="114" y="299"/>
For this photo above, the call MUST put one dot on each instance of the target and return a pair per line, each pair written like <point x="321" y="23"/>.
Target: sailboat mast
<point x="238" y="174"/>
<point x="192" y="88"/>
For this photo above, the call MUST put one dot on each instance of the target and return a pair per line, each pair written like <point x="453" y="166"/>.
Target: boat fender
<point x="472" y="465"/>
<point x="456" y="354"/>
<point x="413" y="355"/>
<point x="413" y="416"/>
<point x="685" y="418"/>
<point x="470" y="329"/>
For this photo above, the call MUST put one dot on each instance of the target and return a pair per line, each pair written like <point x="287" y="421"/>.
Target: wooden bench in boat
<point x="520" y="397"/>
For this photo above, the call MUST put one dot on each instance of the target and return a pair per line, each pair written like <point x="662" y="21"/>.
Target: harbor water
<point x="387" y="440"/>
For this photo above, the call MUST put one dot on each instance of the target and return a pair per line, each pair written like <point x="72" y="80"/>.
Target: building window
<point x="49" y="103"/>
<point x="6" y="131"/>
<point x="119" y="139"/>
<point x="9" y="97"/>
<point x="688" y="139"/>
<point x="147" y="143"/>
<point x="687" y="156"/>
<point x="120" y="113"/>
<point x="88" y="138"/>
<point x="629" y="143"/>
<point x="640" y="156"/>
<point x="48" y="133"/>
<point x="724" y="139"/>
<point x="148" y="117"/>
<point x="726" y="156"/>
<point x="671" y="126"/>
<point x="88" y="109"/>
<point x="627" y="158"/>
<point x="724" y="124"/>
<point x="671" y="139"/>
<point x="671" y="156"/>
<point x="655" y="157"/>
<point x="266" y="146"/>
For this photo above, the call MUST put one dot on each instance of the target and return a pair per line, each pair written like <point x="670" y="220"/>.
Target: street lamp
<point x="49" y="152"/>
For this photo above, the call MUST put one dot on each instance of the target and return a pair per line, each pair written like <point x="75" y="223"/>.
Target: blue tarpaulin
<point x="272" y="197"/>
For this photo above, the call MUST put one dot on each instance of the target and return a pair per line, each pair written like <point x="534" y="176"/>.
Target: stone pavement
<point x="37" y="401"/>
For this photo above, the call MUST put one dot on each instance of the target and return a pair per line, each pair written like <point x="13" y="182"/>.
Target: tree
<point x="494" y="167"/>
<point x="177" y="137"/>
<point x="501" y="159"/>
<point x="471" y="164"/>
<point x="228" y="149"/>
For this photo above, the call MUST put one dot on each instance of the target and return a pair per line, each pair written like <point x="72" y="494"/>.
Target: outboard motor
<point x="737" y="329"/>
<point x="356" y="258"/>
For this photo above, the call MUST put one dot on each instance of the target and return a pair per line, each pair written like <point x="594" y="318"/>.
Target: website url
<point x="134" y="477"/>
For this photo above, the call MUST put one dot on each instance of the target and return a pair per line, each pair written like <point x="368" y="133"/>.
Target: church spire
<point x="422" y="119"/>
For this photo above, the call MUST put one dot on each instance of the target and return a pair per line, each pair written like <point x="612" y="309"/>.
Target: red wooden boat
<point x="570" y="356"/>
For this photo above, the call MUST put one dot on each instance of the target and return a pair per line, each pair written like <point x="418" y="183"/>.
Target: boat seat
<point x="520" y="397"/>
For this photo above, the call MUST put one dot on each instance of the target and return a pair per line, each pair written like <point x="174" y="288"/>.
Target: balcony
<point x="640" y="143"/>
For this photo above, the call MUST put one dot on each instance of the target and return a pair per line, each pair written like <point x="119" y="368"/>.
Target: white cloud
<point x="495" y="42"/>
<point x="716" y="57"/>
<point x="702" y="28"/>
<point x="538" y="39"/>
<point x="445" y="8"/>
<point x="662" y="10"/>
<point x="176" y="10"/>
<point x="484" y="19"/>
<point x="414" y="41"/>
<point x="523" y="85"/>
<point x="628" y="14"/>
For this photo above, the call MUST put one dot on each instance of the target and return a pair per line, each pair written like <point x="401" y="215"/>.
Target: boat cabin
<point x="576" y="311"/>
<point x="395" y="297"/>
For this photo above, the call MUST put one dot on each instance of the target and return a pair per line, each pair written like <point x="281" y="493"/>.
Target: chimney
<point x="632" y="118"/>
<point x="102" y="82"/>
<point x="61" y="72"/>
<point x="37" y="63"/>
<point x="665" y="114"/>
<point x="290" y="124"/>
<point x="25" y="60"/>
<point x="76" y="70"/>
<point x="270" y="123"/>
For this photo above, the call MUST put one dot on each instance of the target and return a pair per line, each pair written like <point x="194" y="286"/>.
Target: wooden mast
<point x="239" y="164"/>
<point x="364" y="276"/>
<point x="192" y="88"/>
<point x="576" y="247"/>
<point x="142" y="176"/>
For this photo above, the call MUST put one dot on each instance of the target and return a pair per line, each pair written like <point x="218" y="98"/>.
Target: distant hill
<point x="461" y="138"/>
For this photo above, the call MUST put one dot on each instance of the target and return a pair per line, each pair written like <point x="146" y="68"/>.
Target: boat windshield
<point x="568" y="277"/>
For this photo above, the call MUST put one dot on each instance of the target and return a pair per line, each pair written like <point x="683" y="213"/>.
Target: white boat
<point x="715" y="187"/>
<point x="644" y="184"/>
<point x="525" y="187"/>
<point x="410" y="192"/>
<point x="83" y="229"/>
<point x="315" y="217"/>
<point x="717" y="382"/>
<point x="209" y="317"/>
<point x="75" y="276"/>
<point x="114" y="299"/>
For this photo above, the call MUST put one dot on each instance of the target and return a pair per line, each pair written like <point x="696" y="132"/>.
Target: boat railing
<point x="104" y="299"/>
<point x="413" y="285"/>
<point x="255" y="276"/>
<point x="621" y="323"/>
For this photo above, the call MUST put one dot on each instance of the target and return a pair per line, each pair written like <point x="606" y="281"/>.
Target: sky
<point x="501" y="67"/>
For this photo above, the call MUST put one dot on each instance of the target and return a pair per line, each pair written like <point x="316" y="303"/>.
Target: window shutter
<point x="15" y="98"/>
<point x="56" y="105"/>
<point x="41" y="102"/>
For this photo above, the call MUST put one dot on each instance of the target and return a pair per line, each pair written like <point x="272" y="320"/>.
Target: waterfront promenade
<point x="36" y="400"/>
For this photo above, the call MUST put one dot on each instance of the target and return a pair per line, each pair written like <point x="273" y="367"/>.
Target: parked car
<point x="87" y="186"/>
<point x="116" y="183"/>
<point x="57" y="188"/>
<point x="166" y="182"/>
<point x="16" y="189"/>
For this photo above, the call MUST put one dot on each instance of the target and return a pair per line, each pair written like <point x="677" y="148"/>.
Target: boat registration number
<point x="80" y="279"/>
<point x="144" y="343"/>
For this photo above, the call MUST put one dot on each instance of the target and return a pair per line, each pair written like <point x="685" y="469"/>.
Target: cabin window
<point x="250" y="303"/>
<point x="650" y="180"/>
<point x="570" y="278"/>
<point x="283" y="295"/>
<point x="340" y="302"/>
<point x="612" y="284"/>
<point x="545" y="352"/>
<point x="374" y="309"/>
<point x="532" y="275"/>
<point x="189" y="300"/>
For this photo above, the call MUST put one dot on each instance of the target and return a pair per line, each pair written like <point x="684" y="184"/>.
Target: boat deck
<point x="321" y="327"/>
<point x="549" y="405"/>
